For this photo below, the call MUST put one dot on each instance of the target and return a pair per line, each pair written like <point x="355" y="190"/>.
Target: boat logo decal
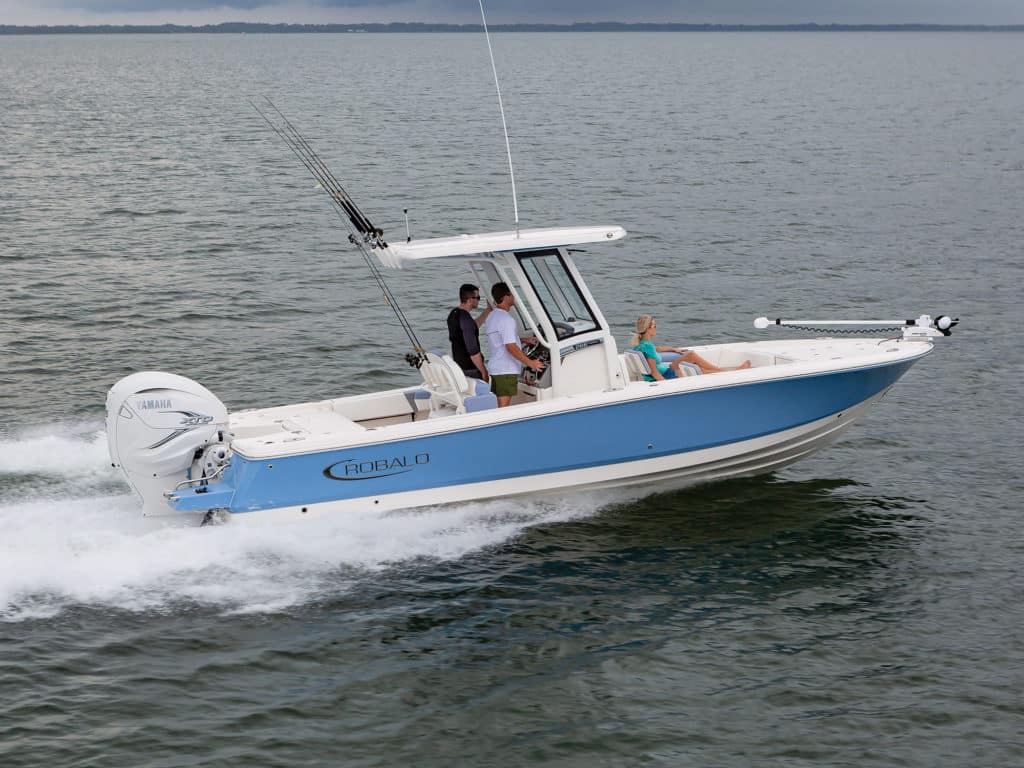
<point x="188" y="418"/>
<point x="350" y="469"/>
<point x="566" y="351"/>
<point x="192" y="419"/>
<point x="148" y="405"/>
<point x="167" y="439"/>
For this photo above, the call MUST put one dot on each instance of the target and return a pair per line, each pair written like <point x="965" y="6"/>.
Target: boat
<point x="589" y="419"/>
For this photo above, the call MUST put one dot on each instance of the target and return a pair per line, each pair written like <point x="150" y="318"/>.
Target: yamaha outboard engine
<point x="163" y="429"/>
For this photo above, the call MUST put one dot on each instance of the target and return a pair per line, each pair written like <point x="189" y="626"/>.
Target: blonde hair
<point x="643" y="325"/>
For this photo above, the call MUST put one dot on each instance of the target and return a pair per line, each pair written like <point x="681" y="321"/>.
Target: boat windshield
<point x="559" y="295"/>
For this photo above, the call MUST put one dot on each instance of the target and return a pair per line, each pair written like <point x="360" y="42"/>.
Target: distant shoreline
<point x="417" y="27"/>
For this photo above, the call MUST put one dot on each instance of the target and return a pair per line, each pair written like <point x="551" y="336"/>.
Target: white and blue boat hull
<point x="656" y="441"/>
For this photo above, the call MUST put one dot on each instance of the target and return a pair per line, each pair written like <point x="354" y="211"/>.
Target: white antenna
<point x="504" y="127"/>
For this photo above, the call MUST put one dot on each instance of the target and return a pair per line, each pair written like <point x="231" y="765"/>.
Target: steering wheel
<point x="538" y="352"/>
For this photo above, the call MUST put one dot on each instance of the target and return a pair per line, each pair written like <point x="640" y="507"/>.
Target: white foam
<point x="75" y="449"/>
<point x="99" y="551"/>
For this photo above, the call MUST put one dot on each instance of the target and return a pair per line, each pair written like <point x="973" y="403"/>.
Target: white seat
<point x="690" y="369"/>
<point x="447" y="384"/>
<point x="636" y="366"/>
<point x="459" y="376"/>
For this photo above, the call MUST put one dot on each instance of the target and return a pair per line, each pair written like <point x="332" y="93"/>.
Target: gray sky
<point x="499" y="11"/>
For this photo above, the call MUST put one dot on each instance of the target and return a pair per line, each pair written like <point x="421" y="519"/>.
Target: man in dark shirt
<point x="464" y="332"/>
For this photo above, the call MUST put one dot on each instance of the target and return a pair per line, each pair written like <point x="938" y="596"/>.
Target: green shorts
<point x="505" y="385"/>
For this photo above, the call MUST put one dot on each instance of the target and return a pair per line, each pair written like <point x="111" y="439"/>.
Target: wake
<point x="74" y="536"/>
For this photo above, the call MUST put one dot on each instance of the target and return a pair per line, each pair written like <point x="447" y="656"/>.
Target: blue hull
<point x="592" y="437"/>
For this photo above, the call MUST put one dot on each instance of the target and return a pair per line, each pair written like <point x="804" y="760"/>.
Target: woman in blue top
<point x="646" y="327"/>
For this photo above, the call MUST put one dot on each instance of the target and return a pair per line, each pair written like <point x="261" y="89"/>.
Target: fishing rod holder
<point x="374" y="239"/>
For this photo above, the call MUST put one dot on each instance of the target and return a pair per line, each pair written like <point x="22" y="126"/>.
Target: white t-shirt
<point x="500" y="330"/>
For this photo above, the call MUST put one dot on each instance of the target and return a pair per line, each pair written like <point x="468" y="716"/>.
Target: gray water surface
<point x="860" y="608"/>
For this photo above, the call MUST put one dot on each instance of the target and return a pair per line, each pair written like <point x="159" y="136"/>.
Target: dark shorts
<point x="505" y="385"/>
<point x="669" y="374"/>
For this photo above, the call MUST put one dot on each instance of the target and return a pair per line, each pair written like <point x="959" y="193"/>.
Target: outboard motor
<point x="163" y="429"/>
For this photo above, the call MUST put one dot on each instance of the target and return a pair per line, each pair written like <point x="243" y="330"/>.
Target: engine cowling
<point x="158" y="426"/>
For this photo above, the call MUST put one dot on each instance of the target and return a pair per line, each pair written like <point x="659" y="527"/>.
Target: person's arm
<point x="518" y="354"/>
<point x="478" y="361"/>
<point x="677" y="350"/>
<point x="653" y="365"/>
<point x="470" y="337"/>
<point x="483" y="315"/>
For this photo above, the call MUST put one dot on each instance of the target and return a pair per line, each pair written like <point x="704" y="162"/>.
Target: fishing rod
<point x="319" y="169"/>
<point x="362" y="233"/>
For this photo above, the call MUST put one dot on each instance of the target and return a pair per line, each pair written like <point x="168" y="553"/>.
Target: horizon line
<point x="421" y="26"/>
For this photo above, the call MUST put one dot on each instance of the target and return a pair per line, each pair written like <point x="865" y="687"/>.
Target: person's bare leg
<point x="700" y="362"/>
<point x="504" y="401"/>
<point x="706" y="367"/>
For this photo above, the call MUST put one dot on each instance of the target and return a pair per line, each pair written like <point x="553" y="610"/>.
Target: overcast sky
<point x="502" y="11"/>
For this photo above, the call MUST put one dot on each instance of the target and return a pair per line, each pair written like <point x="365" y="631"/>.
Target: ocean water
<point x="862" y="607"/>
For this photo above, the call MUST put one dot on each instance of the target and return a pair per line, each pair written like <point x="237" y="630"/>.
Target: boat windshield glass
<point x="558" y="292"/>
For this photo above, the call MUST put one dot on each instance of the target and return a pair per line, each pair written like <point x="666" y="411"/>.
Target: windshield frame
<point x="559" y="296"/>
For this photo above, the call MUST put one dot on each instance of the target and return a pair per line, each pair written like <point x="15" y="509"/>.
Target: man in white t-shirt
<point x="507" y="359"/>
